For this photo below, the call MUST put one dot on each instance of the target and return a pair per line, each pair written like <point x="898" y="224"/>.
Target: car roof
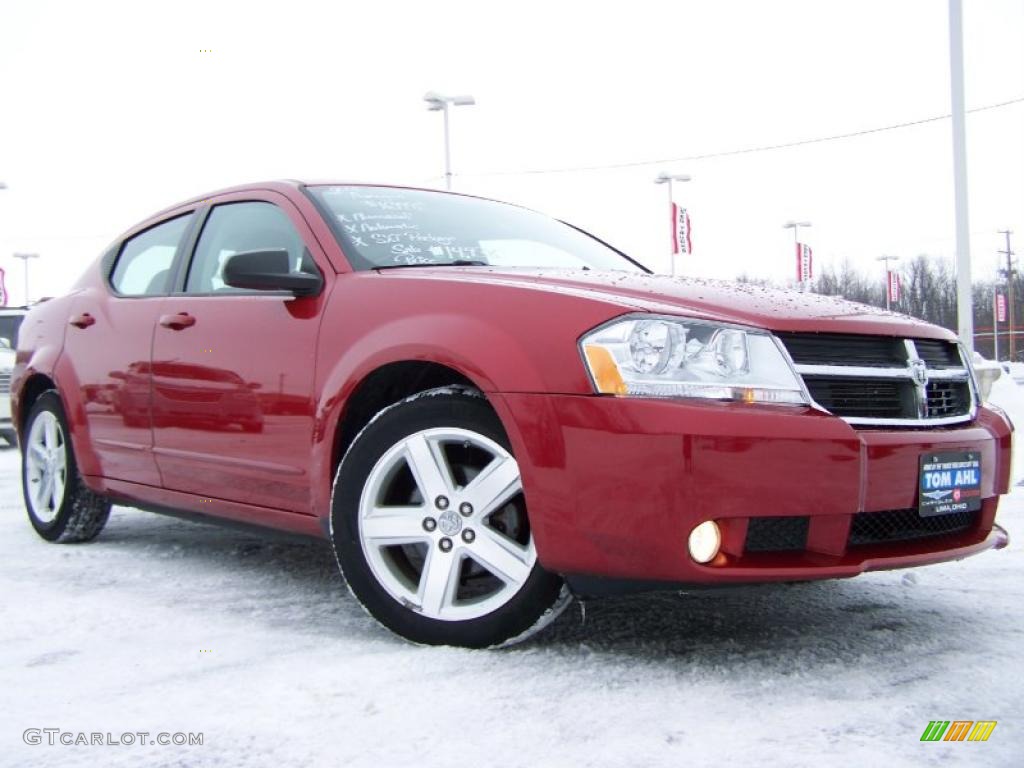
<point x="282" y="186"/>
<point x="287" y="185"/>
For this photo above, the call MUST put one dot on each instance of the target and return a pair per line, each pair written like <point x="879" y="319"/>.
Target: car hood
<point x="742" y="303"/>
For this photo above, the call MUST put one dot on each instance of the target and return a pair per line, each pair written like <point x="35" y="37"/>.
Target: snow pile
<point x="1009" y="395"/>
<point x="164" y="625"/>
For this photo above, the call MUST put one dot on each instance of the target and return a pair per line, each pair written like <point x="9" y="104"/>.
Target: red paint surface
<point x="242" y="405"/>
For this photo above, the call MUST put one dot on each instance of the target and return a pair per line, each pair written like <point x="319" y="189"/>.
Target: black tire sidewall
<point x="463" y="411"/>
<point x="52" y="531"/>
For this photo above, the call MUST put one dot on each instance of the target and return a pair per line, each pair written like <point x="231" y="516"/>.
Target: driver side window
<point x="236" y="228"/>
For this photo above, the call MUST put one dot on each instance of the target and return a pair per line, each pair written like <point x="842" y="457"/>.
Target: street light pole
<point x="667" y="179"/>
<point x="964" y="299"/>
<point x="25" y="257"/>
<point x="437" y="102"/>
<point x="795" y="226"/>
<point x="887" y="259"/>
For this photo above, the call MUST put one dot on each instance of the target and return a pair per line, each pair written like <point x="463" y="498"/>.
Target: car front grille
<point x="884" y="380"/>
<point x="776" y="534"/>
<point x="789" y="534"/>
<point x="905" y="525"/>
<point x="948" y="398"/>
<point x="862" y="397"/>
<point x="844" y="349"/>
<point x="5" y="382"/>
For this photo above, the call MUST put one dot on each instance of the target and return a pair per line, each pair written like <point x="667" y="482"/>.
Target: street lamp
<point x="888" y="287"/>
<point x="795" y="226"/>
<point x="667" y="178"/>
<point x="25" y="257"/>
<point x="964" y="297"/>
<point x="435" y="101"/>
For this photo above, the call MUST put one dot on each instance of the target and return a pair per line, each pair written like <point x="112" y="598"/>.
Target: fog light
<point x="705" y="540"/>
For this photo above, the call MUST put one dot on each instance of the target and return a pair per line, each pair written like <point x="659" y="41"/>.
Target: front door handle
<point x="178" y="321"/>
<point x="82" y="321"/>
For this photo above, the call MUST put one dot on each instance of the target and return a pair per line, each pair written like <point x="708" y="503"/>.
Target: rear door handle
<point x="177" y="322"/>
<point x="82" y="321"/>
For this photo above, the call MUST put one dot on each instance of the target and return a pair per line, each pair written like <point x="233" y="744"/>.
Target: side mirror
<point x="269" y="271"/>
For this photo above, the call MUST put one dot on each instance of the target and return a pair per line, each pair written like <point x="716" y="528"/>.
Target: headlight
<point x="675" y="357"/>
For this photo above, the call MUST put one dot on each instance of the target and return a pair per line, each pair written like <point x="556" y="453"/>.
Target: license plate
<point x="949" y="482"/>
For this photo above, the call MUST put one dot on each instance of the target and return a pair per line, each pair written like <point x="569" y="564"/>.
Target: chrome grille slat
<point x="5" y="382"/>
<point x="882" y="380"/>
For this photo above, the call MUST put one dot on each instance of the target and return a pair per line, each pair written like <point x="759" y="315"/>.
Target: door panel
<point x="110" y="356"/>
<point x="108" y="343"/>
<point x="233" y="373"/>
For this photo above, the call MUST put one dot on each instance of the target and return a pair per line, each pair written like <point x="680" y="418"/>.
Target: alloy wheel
<point x="443" y="525"/>
<point x="45" y="466"/>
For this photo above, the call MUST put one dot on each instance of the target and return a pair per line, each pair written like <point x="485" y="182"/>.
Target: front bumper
<point x="614" y="486"/>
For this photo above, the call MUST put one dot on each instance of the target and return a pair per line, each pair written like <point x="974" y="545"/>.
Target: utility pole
<point x="1008" y="253"/>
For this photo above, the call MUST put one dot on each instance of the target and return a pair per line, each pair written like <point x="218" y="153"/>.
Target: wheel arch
<point x="29" y="392"/>
<point x="386" y="385"/>
<point x="61" y="379"/>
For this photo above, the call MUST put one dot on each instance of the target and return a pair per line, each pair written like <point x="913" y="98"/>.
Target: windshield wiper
<point x="456" y="263"/>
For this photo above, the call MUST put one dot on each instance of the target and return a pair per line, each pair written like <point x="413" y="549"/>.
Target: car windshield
<point x="388" y="227"/>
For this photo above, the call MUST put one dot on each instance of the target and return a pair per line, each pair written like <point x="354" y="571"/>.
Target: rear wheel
<point x="59" y="505"/>
<point x="430" y="526"/>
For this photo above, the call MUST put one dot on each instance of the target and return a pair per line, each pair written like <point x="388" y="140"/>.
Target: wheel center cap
<point x="450" y="522"/>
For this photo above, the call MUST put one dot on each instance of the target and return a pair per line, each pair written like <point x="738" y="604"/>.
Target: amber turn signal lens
<point x="605" y="371"/>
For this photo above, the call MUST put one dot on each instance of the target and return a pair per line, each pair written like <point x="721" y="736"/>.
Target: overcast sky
<point x="111" y="111"/>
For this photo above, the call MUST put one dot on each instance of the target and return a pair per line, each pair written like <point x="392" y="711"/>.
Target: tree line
<point x="928" y="292"/>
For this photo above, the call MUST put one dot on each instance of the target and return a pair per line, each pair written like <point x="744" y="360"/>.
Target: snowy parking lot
<point x="168" y="626"/>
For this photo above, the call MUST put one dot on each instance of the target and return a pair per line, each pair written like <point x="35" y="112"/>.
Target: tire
<point x="10" y="436"/>
<point x="405" y="552"/>
<point x="74" y="514"/>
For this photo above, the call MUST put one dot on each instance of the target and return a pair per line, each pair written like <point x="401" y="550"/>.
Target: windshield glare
<point x="386" y="227"/>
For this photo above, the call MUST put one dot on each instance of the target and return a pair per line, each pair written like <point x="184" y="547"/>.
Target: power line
<point x="745" y="150"/>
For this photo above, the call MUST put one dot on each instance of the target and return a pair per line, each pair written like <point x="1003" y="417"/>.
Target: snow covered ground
<point x="167" y="626"/>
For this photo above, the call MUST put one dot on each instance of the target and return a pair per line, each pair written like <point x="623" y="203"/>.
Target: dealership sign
<point x="804" y="263"/>
<point x="1000" y="308"/>
<point x="681" y="230"/>
<point x="893" y="286"/>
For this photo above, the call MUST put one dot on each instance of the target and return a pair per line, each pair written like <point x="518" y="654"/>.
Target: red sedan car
<point x="486" y="410"/>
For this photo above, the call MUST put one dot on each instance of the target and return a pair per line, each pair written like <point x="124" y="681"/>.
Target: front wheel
<point x="430" y="526"/>
<point x="59" y="505"/>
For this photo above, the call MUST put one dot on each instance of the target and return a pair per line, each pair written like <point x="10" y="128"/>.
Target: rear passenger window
<point x="144" y="266"/>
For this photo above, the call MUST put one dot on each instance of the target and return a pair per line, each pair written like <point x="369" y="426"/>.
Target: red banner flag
<point x="804" y="263"/>
<point x="894" y="286"/>
<point x="681" y="230"/>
